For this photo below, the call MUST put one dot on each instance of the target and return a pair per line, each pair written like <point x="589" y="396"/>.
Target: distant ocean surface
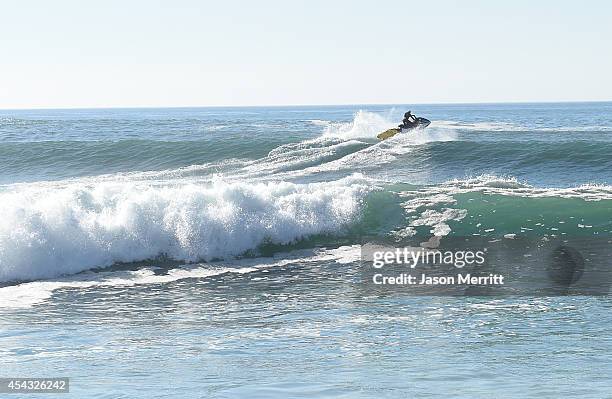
<point x="214" y="252"/>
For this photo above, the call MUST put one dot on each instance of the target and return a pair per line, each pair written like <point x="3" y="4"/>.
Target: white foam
<point x="364" y="125"/>
<point x="298" y="156"/>
<point x="344" y="254"/>
<point x="438" y="220"/>
<point x="426" y="201"/>
<point x="33" y="293"/>
<point x="510" y="186"/>
<point x="47" y="232"/>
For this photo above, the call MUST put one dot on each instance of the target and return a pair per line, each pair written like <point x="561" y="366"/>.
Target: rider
<point x="409" y="121"/>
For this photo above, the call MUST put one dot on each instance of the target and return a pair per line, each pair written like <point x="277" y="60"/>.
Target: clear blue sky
<point x="190" y="53"/>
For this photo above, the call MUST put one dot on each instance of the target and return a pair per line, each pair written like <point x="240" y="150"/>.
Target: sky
<point x="63" y="54"/>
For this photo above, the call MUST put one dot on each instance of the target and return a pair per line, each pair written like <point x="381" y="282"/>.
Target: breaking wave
<point x="46" y="232"/>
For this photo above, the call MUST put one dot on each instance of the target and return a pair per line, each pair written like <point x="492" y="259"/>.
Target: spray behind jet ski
<point x="410" y="122"/>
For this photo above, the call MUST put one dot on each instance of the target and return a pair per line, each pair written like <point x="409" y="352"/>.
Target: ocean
<point x="215" y="252"/>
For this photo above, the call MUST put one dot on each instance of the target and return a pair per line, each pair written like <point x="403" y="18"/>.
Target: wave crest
<point x="46" y="232"/>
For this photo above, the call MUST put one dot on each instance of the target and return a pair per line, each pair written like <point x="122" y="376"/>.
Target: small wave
<point x="513" y="127"/>
<point x="491" y="184"/>
<point x="596" y="128"/>
<point x="477" y="126"/>
<point x="319" y="122"/>
<point x="329" y="154"/>
<point x="488" y="181"/>
<point x="215" y="128"/>
<point x="503" y="185"/>
<point x="28" y="294"/>
<point x="544" y="209"/>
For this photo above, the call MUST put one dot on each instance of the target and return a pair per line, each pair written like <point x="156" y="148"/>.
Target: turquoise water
<point x="214" y="252"/>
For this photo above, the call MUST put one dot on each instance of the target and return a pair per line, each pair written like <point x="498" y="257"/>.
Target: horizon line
<point x="67" y="108"/>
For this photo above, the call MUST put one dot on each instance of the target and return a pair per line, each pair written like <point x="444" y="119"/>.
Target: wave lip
<point x="47" y="232"/>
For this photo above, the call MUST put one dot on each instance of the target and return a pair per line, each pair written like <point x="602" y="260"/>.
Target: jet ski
<point x="419" y="123"/>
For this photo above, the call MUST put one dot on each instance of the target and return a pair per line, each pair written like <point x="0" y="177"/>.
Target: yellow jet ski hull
<point x="388" y="133"/>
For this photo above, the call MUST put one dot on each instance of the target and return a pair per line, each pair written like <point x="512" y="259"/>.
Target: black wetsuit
<point x="406" y="122"/>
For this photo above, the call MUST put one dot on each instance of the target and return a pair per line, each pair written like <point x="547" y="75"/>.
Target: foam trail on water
<point x="47" y="232"/>
<point x="423" y="136"/>
<point x="33" y="293"/>
<point x="369" y="124"/>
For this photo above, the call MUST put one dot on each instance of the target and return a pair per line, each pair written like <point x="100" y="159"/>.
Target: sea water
<point x="214" y="252"/>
